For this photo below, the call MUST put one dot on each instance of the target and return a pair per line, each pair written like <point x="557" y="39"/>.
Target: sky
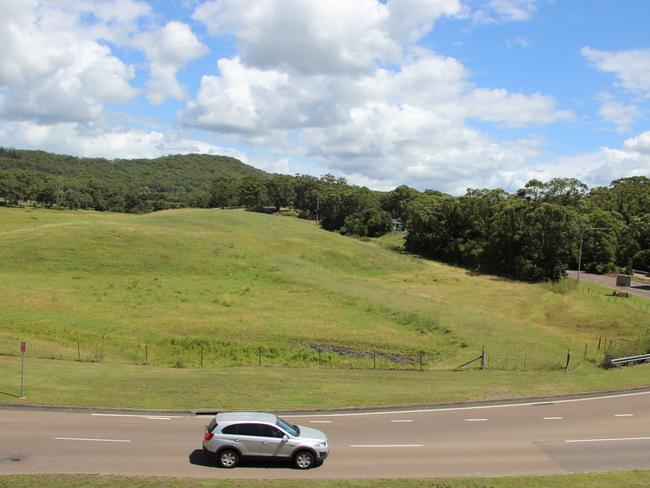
<point x="439" y="94"/>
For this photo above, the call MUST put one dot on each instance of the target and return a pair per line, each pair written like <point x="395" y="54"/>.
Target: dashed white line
<point x="553" y="418"/>
<point x="624" y="415"/>
<point x="320" y="421"/>
<point x="386" y="445"/>
<point x="475" y="420"/>
<point x="401" y="421"/>
<point x="158" y="418"/>
<point x="136" y="416"/>
<point x="609" y="440"/>
<point x="90" y="440"/>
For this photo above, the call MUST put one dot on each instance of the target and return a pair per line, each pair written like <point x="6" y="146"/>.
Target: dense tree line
<point x="532" y="234"/>
<point x="535" y="233"/>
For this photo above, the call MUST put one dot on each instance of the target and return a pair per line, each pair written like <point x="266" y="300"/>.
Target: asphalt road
<point x="636" y="288"/>
<point x="596" y="434"/>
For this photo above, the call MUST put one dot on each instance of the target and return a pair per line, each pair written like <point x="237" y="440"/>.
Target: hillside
<point x="215" y="286"/>
<point x="181" y="180"/>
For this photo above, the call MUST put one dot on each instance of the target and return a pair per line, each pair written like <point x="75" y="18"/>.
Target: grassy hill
<point x="222" y="284"/>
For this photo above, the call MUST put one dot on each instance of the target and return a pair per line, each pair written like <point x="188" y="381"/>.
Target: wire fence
<point x="205" y="354"/>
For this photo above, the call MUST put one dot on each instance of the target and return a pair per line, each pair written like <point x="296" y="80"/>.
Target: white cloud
<point x="373" y="125"/>
<point x="632" y="68"/>
<point x="621" y="115"/>
<point x="168" y="49"/>
<point x="492" y="11"/>
<point x="54" y="66"/>
<point x="322" y="37"/>
<point x="98" y="141"/>
<point x="514" y="10"/>
<point x="640" y="143"/>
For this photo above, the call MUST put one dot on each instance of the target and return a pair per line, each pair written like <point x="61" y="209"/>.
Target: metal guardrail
<point x="610" y="362"/>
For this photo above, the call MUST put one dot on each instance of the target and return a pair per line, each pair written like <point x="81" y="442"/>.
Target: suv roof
<point x="246" y="417"/>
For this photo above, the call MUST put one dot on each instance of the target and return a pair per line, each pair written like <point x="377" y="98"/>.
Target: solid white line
<point x="134" y="415"/>
<point x="387" y="445"/>
<point x="456" y="409"/>
<point x="610" y="440"/>
<point x="320" y="421"/>
<point x="91" y="440"/>
<point x="475" y="420"/>
<point x="624" y="415"/>
<point x="400" y="421"/>
<point x="158" y="418"/>
<point x="553" y="418"/>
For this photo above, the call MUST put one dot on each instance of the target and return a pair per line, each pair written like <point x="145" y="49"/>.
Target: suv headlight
<point x="322" y="444"/>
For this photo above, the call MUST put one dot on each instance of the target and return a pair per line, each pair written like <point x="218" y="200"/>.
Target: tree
<point x="252" y="192"/>
<point x="280" y="190"/>
<point x="224" y="192"/>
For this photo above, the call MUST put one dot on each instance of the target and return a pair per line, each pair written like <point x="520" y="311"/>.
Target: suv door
<point x="246" y="437"/>
<point x="273" y="443"/>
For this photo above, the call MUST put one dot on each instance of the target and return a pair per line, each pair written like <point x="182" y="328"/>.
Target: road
<point x="636" y="288"/>
<point x="600" y="433"/>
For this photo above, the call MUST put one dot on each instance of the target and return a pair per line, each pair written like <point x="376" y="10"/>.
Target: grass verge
<point x="269" y="388"/>
<point x="627" y="479"/>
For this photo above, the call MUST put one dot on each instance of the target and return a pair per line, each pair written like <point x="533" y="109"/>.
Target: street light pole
<point x="582" y="236"/>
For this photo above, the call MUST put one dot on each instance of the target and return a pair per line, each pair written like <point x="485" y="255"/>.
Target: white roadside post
<point x="23" y="349"/>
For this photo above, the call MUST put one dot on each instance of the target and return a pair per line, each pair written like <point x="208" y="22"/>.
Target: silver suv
<point x="233" y="435"/>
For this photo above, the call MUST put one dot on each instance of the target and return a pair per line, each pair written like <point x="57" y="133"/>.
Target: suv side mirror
<point x="285" y="437"/>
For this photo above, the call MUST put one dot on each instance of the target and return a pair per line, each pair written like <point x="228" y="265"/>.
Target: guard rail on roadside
<point x="610" y="362"/>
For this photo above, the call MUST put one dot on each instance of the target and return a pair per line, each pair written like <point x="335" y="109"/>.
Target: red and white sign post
<point x="23" y="350"/>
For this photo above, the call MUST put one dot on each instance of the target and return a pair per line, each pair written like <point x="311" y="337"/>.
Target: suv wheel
<point x="304" y="460"/>
<point x="228" y="458"/>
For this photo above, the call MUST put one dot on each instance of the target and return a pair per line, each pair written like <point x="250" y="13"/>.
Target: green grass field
<point x="630" y="479"/>
<point x="209" y="288"/>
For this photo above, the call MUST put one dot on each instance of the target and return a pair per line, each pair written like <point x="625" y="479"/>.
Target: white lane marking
<point x="135" y="416"/>
<point x="456" y="409"/>
<point x="320" y="421"/>
<point x="90" y="440"/>
<point x="553" y="418"/>
<point x="475" y="420"/>
<point x="387" y="445"/>
<point x="401" y="421"/>
<point x="610" y="440"/>
<point x="158" y="418"/>
<point x="624" y="415"/>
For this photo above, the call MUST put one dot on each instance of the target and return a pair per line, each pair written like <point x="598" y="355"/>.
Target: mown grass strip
<point x="627" y="479"/>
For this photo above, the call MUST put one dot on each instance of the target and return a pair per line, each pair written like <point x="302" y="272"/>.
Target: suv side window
<point x="249" y="429"/>
<point x="270" y="431"/>
<point x="231" y="429"/>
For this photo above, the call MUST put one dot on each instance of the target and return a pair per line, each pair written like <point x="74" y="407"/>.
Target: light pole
<point x="582" y="236"/>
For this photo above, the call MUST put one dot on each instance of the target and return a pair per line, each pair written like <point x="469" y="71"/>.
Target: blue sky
<point x="442" y="94"/>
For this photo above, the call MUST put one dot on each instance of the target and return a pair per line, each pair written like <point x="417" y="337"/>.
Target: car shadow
<point x="199" y="457"/>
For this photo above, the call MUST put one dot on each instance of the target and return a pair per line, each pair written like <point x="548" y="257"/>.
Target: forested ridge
<point x="532" y="234"/>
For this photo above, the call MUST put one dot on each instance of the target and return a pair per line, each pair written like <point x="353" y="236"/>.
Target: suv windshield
<point x="290" y="428"/>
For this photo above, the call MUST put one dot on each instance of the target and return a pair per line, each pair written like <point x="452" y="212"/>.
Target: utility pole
<point x="23" y="349"/>
<point x="582" y="236"/>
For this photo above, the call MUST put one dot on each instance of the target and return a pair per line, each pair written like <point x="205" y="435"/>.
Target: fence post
<point x="260" y="356"/>
<point x="421" y="357"/>
<point x="374" y="360"/>
<point x="78" y="352"/>
<point x="585" y="349"/>
<point x="525" y="360"/>
<point x="146" y="354"/>
<point x="319" y="357"/>
<point x="483" y="359"/>
<point x="600" y="338"/>
<point x="96" y="353"/>
<point x="201" y="356"/>
<point x="568" y="360"/>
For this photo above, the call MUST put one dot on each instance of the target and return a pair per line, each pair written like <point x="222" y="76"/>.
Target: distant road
<point x="639" y="289"/>
<point x="610" y="432"/>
